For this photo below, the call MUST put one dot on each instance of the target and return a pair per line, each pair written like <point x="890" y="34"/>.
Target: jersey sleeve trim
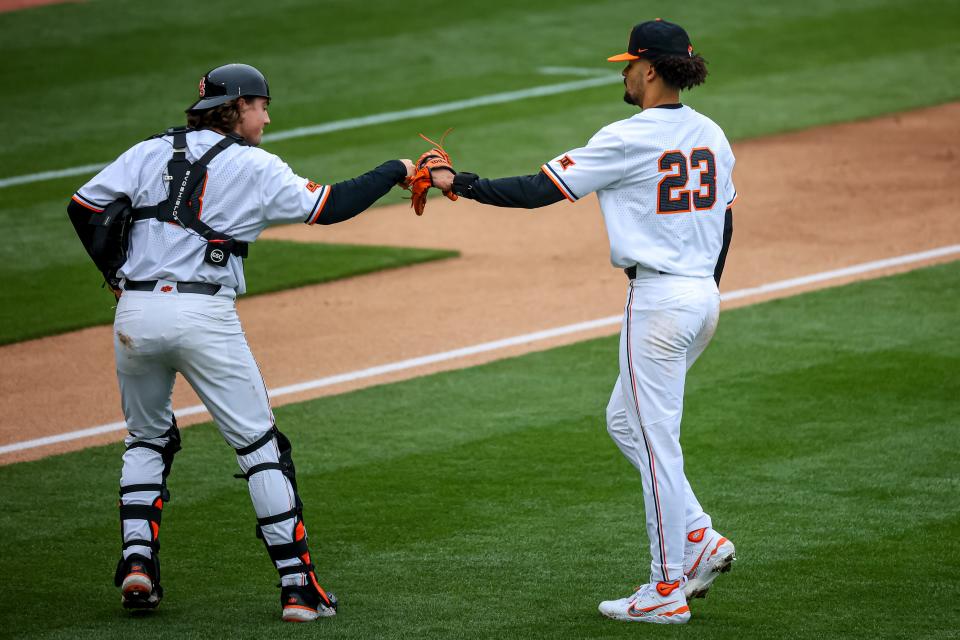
<point x="733" y="199"/>
<point x="560" y="184"/>
<point x="83" y="202"/>
<point x="318" y="205"/>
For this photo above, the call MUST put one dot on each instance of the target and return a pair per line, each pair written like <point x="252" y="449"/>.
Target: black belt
<point x="204" y="288"/>
<point x="632" y="272"/>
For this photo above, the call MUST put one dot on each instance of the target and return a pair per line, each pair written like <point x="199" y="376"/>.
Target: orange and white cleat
<point x="706" y="556"/>
<point x="306" y="604"/>
<point x="139" y="587"/>
<point x="657" y="602"/>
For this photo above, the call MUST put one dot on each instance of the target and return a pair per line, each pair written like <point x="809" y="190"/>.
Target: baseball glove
<point x="420" y="182"/>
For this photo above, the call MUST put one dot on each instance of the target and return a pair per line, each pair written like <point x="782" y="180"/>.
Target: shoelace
<point x="640" y="591"/>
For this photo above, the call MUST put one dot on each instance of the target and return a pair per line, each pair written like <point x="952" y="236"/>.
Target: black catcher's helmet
<point x="228" y="82"/>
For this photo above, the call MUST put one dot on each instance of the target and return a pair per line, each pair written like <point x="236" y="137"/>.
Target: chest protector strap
<point x="186" y="186"/>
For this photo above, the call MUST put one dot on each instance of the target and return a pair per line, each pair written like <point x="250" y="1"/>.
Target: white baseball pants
<point x="157" y="334"/>
<point x="668" y="322"/>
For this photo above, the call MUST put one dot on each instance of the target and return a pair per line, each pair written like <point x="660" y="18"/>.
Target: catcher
<point x="176" y="274"/>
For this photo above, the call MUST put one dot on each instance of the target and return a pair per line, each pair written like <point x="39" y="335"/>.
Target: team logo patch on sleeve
<point x="312" y="186"/>
<point x="565" y="162"/>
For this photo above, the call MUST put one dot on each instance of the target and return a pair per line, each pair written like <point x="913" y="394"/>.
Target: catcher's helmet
<point x="228" y="82"/>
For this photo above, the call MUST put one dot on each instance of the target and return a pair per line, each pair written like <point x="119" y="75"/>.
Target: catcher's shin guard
<point x="143" y="491"/>
<point x="267" y="466"/>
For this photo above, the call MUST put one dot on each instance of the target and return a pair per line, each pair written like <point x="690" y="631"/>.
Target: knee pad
<point x="167" y="452"/>
<point x="284" y="462"/>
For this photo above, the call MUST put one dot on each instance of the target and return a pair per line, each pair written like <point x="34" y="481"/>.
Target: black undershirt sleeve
<point x="727" y="236"/>
<point x="350" y="197"/>
<point x="529" y="192"/>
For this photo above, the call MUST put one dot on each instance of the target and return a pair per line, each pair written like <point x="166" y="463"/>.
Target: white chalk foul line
<point x="51" y="175"/>
<point x="364" y="121"/>
<point x="446" y="107"/>
<point x="856" y="269"/>
<point x="590" y="72"/>
<point x="496" y="345"/>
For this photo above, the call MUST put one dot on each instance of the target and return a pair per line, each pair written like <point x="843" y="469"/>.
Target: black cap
<point x="656" y="37"/>
<point x="227" y="82"/>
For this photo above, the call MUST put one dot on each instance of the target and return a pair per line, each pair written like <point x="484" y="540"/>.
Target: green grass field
<point x="92" y="78"/>
<point x="820" y="431"/>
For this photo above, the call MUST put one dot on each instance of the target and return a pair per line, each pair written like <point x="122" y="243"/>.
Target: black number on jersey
<point x="672" y="194"/>
<point x="702" y="159"/>
<point x="674" y="164"/>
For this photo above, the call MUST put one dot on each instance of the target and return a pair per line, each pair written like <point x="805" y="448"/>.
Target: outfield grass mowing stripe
<point x="365" y="121"/>
<point x="496" y="345"/>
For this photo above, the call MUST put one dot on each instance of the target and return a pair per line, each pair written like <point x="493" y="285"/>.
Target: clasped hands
<point x="432" y="169"/>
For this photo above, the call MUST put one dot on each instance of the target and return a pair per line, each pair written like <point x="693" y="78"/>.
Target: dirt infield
<point x="17" y="5"/>
<point x="809" y="202"/>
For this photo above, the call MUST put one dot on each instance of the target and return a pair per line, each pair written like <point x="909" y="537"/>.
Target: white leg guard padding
<point x="272" y="494"/>
<point x="140" y="466"/>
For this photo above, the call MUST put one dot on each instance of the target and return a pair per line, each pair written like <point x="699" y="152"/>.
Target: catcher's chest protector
<point x="186" y="182"/>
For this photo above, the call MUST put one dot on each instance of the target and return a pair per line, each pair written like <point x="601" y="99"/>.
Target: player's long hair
<point x="681" y="72"/>
<point x="223" y="117"/>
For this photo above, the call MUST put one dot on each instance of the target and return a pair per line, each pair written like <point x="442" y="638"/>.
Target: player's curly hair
<point x="681" y="72"/>
<point x="223" y="117"/>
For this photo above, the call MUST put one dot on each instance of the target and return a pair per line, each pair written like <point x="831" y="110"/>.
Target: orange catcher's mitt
<point x="420" y="182"/>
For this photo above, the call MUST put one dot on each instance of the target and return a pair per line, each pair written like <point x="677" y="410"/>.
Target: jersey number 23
<point x="673" y="196"/>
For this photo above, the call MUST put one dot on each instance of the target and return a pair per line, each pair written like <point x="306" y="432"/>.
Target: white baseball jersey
<point x="247" y="189"/>
<point x="664" y="180"/>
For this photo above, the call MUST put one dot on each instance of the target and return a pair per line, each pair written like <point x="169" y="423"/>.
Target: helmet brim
<point x="209" y="103"/>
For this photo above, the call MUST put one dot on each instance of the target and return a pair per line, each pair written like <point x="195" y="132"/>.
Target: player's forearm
<point x="354" y="196"/>
<point x="529" y="192"/>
